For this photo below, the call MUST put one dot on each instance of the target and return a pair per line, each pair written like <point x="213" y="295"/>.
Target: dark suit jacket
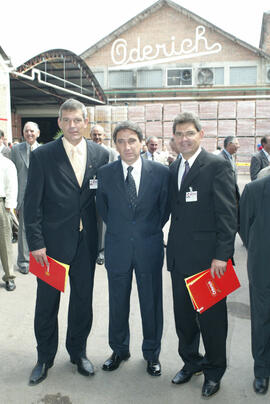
<point x="258" y="162"/>
<point x="205" y="229"/>
<point x="54" y="201"/>
<point x="226" y="157"/>
<point x="255" y="230"/>
<point x="131" y="234"/>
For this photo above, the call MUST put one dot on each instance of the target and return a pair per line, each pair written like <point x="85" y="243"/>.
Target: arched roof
<point x="52" y="77"/>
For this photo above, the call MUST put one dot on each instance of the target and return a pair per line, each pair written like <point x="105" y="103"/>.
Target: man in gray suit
<point x="5" y="150"/>
<point x="260" y="159"/>
<point x="231" y="145"/>
<point x="254" y="231"/>
<point x="20" y="155"/>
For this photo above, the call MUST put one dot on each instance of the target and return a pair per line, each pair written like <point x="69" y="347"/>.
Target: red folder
<point x="205" y="291"/>
<point x="55" y="275"/>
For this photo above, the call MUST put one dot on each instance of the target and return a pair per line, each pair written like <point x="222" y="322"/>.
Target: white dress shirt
<point x="8" y="182"/>
<point x="182" y="165"/>
<point x="267" y="154"/>
<point x="81" y="152"/>
<point x="136" y="172"/>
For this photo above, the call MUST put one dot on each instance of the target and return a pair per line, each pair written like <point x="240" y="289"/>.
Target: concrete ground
<point x="130" y="384"/>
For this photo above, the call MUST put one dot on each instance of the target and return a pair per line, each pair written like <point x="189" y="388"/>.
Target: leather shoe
<point x="260" y="385"/>
<point x="114" y="361"/>
<point x="39" y="373"/>
<point x="24" y="270"/>
<point x="210" y="388"/>
<point x="184" y="376"/>
<point x="10" y="285"/>
<point x="154" y="368"/>
<point x="84" y="366"/>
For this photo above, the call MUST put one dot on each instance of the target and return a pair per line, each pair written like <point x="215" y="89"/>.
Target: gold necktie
<point x="76" y="163"/>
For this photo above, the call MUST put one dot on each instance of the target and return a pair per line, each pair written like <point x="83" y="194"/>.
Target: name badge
<point x="191" y="196"/>
<point x="93" y="183"/>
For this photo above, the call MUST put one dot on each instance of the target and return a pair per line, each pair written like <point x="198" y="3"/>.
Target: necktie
<point x="77" y="165"/>
<point x="187" y="168"/>
<point x="153" y="157"/>
<point x="131" y="188"/>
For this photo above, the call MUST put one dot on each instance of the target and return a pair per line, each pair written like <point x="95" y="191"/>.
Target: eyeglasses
<point x="189" y="133"/>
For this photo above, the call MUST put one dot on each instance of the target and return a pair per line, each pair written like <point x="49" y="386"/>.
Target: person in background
<point x="4" y="149"/>
<point x="97" y="134"/>
<point x="8" y="201"/>
<point x="20" y="155"/>
<point x="260" y="159"/>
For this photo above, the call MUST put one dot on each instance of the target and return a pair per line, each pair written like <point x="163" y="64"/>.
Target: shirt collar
<point x="192" y="158"/>
<point x="228" y="154"/>
<point x="265" y="152"/>
<point x="136" y="166"/>
<point x="79" y="147"/>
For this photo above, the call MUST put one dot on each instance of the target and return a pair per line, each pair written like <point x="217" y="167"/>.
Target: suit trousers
<point x="23" y="250"/>
<point x="260" y="330"/>
<point x="213" y="326"/>
<point x="149" y="287"/>
<point x="81" y="277"/>
<point x="6" y="255"/>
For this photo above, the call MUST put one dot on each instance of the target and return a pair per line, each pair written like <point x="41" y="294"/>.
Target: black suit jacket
<point x="133" y="234"/>
<point x="54" y="202"/>
<point x="206" y="228"/>
<point x="255" y="230"/>
<point x="258" y="162"/>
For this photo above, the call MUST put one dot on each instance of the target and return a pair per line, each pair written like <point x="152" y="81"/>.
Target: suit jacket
<point x="54" y="201"/>
<point x="133" y="235"/>
<point x="258" y="161"/>
<point x="20" y="158"/>
<point x="6" y="151"/>
<point x="234" y="172"/>
<point x="159" y="157"/>
<point x="255" y="230"/>
<point x="203" y="229"/>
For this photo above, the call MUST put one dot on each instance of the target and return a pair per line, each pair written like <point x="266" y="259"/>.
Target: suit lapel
<point x="193" y="172"/>
<point x="146" y="178"/>
<point x="63" y="161"/>
<point x="23" y="153"/>
<point x="91" y="164"/>
<point x="118" y="179"/>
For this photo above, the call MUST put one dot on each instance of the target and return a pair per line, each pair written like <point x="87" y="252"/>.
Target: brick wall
<point x="248" y="120"/>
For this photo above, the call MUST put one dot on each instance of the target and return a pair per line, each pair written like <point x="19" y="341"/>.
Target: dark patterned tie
<point x="131" y="188"/>
<point x="187" y="168"/>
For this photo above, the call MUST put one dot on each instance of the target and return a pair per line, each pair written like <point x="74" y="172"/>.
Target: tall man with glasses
<point x="201" y="236"/>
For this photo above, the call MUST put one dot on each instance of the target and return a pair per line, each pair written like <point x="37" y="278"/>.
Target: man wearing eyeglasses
<point x="202" y="232"/>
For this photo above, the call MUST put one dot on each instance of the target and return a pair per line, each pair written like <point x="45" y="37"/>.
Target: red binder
<point x="205" y="291"/>
<point x="55" y="275"/>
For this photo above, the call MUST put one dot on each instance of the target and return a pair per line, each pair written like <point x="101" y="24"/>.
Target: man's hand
<point x="40" y="256"/>
<point x="218" y="268"/>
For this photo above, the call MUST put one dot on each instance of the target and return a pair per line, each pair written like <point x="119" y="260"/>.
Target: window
<point x="121" y="79"/>
<point x="100" y="78"/>
<point x="149" y="78"/>
<point x="179" y="77"/>
<point x="243" y="75"/>
<point x="219" y="75"/>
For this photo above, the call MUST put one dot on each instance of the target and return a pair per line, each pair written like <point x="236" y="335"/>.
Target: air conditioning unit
<point x="268" y="74"/>
<point x="205" y="76"/>
<point x="186" y="75"/>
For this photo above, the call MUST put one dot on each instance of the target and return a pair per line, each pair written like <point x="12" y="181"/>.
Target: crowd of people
<point x="82" y="202"/>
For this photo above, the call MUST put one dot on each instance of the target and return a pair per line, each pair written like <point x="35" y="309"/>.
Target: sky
<point x="31" y="27"/>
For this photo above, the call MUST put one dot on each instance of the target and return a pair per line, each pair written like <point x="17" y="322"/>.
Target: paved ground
<point x="130" y="384"/>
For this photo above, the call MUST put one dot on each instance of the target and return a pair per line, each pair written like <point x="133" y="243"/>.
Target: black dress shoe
<point x="183" y="376"/>
<point x="84" y="366"/>
<point x="39" y="373"/>
<point x="260" y="385"/>
<point x="210" y="388"/>
<point x="24" y="270"/>
<point x="10" y="285"/>
<point x="114" y="361"/>
<point x="154" y="368"/>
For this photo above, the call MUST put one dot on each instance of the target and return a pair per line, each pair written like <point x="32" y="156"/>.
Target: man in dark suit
<point x="231" y="145"/>
<point x="131" y="199"/>
<point x="261" y="159"/>
<point x="201" y="236"/>
<point x="60" y="220"/>
<point x="20" y="155"/>
<point x="254" y="230"/>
